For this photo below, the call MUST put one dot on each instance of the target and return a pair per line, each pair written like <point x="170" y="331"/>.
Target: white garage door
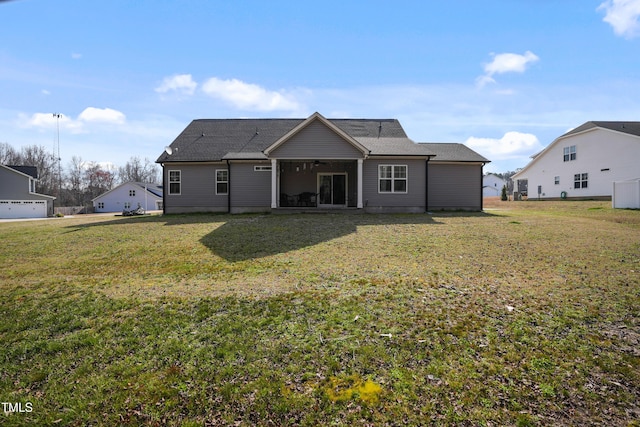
<point x="23" y="209"/>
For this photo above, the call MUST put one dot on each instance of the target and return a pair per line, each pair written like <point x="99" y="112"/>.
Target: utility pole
<point x="56" y="156"/>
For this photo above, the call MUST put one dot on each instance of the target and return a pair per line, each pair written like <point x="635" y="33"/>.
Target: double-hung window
<point x="580" y="180"/>
<point x="175" y="180"/>
<point x="569" y="153"/>
<point x="222" y="181"/>
<point x="392" y="178"/>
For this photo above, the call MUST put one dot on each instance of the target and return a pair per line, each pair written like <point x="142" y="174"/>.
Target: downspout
<point x="426" y="185"/>
<point x="228" y="187"/>
<point x="481" y="177"/>
<point x="164" y="192"/>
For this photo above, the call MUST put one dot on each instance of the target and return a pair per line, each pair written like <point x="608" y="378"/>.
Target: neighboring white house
<point x="128" y="196"/>
<point x="583" y="163"/>
<point x="492" y="185"/>
<point x="18" y="197"/>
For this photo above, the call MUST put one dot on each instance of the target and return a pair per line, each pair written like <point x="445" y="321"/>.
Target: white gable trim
<point x="317" y="116"/>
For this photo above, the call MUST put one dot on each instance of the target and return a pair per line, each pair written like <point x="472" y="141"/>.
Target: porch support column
<point x="274" y="183"/>
<point x="359" y="205"/>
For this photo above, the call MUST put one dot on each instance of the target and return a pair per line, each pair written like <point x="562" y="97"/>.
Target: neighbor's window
<point x="175" y="179"/>
<point x="580" y="180"/>
<point x="392" y="178"/>
<point x="127" y="205"/>
<point x="569" y="153"/>
<point x="100" y="205"/>
<point x="132" y="193"/>
<point x="222" y="181"/>
<point x="32" y="186"/>
<point x="556" y="180"/>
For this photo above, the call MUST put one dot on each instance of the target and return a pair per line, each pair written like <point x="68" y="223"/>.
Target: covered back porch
<point x="316" y="184"/>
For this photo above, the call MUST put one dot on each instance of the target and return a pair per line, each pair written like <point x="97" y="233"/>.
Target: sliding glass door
<point x="332" y="189"/>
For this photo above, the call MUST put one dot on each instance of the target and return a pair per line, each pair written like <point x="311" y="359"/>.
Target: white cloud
<point x="506" y="63"/>
<point x="510" y="62"/>
<point x="49" y="121"/>
<point x="104" y="115"/>
<point x="249" y="96"/>
<point x="512" y="145"/>
<point x="76" y="55"/>
<point x="484" y="80"/>
<point x="182" y="83"/>
<point x="622" y="15"/>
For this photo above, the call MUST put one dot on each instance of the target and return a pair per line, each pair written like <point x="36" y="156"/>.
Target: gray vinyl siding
<point x="250" y="188"/>
<point x="316" y="141"/>
<point x="15" y="186"/>
<point x="197" y="189"/>
<point x="414" y="199"/>
<point x="455" y="186"/>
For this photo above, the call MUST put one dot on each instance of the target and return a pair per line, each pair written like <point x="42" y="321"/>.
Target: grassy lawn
<point x="526" y="314"/>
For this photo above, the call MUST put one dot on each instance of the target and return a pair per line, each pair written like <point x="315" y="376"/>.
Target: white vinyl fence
<point x="626" y="194"/>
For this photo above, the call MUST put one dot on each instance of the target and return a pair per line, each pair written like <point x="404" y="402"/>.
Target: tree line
<point x="80" y="181"/>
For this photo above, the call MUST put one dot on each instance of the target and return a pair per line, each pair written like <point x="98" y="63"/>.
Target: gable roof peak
<point x="328" y="123"/>
<point x="628" y="127"/>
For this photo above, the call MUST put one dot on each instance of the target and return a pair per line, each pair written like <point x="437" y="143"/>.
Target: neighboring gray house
<point x="257" y="165"/>
<point x="128" y="196"/>
<point x="18" y="197"/>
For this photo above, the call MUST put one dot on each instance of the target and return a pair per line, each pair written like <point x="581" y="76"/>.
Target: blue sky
<point x="504" y="77"/>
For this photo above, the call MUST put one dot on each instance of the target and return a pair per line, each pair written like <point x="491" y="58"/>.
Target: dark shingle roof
<point x="217" y="139"/>
<point x="32" y="171"/>
<point x="453" y="152"/>
<point x="212" y="139"/>
<point x="632" y="128"/>
<point x="153" y="188"/>
<point x="394" y="147"/>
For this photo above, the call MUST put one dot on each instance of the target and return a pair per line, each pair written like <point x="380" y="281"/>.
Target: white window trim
<point x="221" y="182"/>
<point x="569" y="153"/>
<point x="406" y="179"/>
<point x="582" y="180"/>
<point x="173" y="182"/>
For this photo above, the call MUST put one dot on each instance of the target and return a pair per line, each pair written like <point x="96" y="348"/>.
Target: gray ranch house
<point x="269" y="165"/>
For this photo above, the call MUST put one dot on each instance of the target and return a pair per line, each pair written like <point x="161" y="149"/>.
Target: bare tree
<point x="81" y="181"/>
<point x="75" y="179"/>
<point x="48" y="179"/>
<point x="8" y="155"/>
<point x="137" y="171"/>
<point x="97" y="181"/>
